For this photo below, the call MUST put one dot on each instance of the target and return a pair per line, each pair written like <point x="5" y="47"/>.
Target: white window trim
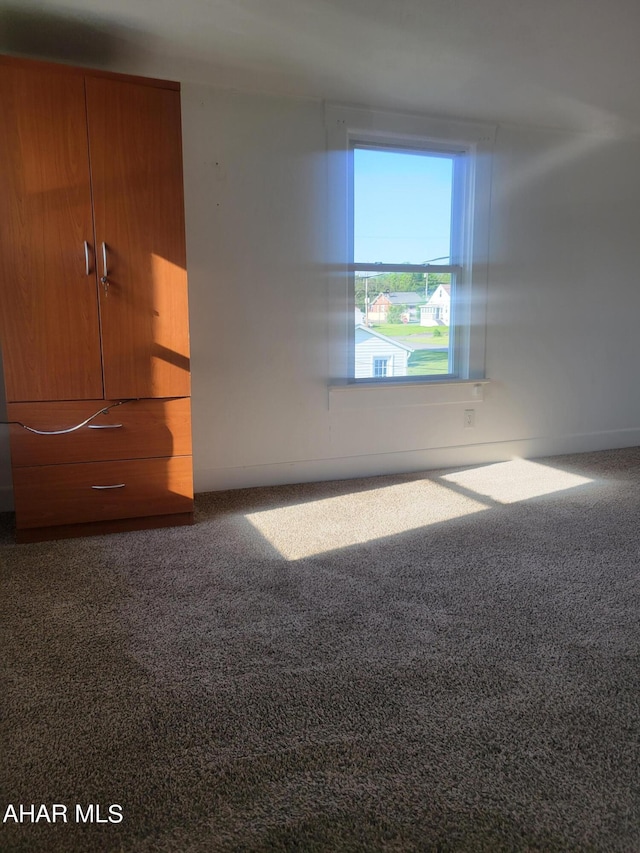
<point x="389" y="365"/>
<point x="345" y="124"/>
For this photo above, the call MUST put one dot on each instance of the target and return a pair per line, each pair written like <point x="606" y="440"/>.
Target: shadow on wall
<point x="71" y="38"/>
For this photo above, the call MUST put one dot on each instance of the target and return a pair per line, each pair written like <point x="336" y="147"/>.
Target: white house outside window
<point x="410" y="205"/>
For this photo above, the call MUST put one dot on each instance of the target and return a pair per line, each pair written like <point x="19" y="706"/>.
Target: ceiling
<point x="553" y="63"/>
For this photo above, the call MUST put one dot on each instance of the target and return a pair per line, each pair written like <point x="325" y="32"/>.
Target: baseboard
<point x="340" y="468"/>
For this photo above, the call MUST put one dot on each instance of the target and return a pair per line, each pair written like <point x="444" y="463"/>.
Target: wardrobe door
<point x="136" y="169"/>
<point x="48" y="303"/>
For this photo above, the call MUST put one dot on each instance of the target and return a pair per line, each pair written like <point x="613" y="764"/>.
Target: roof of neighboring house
<point x="384" y="338"/>
<point x="402" y="297"/>
<point x="445" y="287"/>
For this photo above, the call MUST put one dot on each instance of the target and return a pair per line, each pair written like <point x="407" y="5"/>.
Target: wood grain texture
<point x="60" y="68"/>
<point x="148" y="428"/>
<point x="48" y="305"/>
<point x="97" y="528"/>
<point x="63" y="494"/>
<point x="136" y="168"/>
<point x="93" y="156"/>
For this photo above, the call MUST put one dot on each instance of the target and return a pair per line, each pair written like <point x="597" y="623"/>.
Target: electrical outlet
<point x="469" y="418"/>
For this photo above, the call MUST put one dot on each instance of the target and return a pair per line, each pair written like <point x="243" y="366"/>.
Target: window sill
<point x="374" y="395"/>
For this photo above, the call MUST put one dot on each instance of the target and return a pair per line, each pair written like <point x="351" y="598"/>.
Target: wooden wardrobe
<point x="93" y="300"/>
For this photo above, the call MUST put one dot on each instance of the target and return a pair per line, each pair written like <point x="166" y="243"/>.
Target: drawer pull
<point x="105" y="426"/>
<point x="77" y="426"/>
<point x="117" y="486"/>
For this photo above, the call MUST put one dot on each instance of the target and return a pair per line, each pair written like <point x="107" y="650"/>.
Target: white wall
<point x="562" y="365"/>
<point x="565" y="209"/>
<point x="563" y="341"/>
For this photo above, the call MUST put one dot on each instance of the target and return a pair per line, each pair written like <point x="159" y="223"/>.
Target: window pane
<point x="402" y="206"/>
<point x="402" y="324"/>
<point x="380" y="366"/>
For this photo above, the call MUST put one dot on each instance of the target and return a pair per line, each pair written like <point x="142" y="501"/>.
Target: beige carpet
<point x="445" y="661"/>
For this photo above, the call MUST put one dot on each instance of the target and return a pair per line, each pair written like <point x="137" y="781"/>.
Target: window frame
<point x="471" y="145"/>
<point x="388" y="362"/>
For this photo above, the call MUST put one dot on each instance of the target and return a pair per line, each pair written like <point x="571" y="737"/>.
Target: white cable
<point x="73" y="428"/>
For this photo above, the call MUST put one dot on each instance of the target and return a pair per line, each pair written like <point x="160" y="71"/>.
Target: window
<point x="380" y="367"/>
<point x="404" y="220"/>
<point x="410" y="203"/>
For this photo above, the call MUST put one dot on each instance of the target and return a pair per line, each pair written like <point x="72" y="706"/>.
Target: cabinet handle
<point x="105" y="426"/>
<point x="118" y="486"/>
<point x="105" y="271"/>
<point x="87" y="266"/>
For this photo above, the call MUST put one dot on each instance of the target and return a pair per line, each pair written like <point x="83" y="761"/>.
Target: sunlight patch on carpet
<point x="330" y="524"/>
<point x="514" y="481"/>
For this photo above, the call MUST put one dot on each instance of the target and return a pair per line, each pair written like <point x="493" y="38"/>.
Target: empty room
<point x="319" y="425"/>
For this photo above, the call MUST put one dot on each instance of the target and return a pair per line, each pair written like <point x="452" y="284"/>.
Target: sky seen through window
<point x="402" y="206"/>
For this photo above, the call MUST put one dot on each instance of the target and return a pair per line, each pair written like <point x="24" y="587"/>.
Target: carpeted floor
<point x="445" y="661"/>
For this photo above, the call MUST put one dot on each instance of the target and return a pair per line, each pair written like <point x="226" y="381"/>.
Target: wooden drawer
<point x="136" y="430"/>
<point x="65" y="494"/>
